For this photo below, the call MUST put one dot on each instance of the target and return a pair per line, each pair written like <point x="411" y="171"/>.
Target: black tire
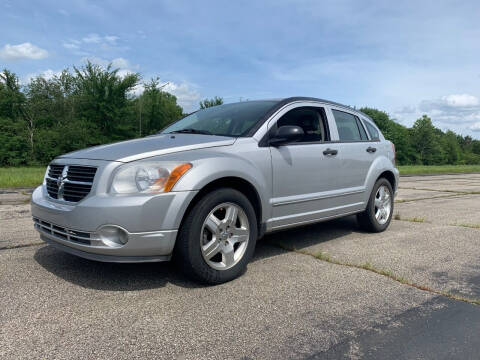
<point x="187" y="253"/>
<point x="367" y="219"/>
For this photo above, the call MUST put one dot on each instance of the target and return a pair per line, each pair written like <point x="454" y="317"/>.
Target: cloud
<point x="458" y="112"/>
<point x="92" y="43"/>
<point x="460" y="100"/>
<point x="22" y="51"/>
<point x="475" y="127"/>
<point x="123" y="65"/>
<point x="187" y="95"/>
<point x="97" y="39"/>
<point x="46" y="74"/>
<point x="453" y="109"/>
<point x="92" y="38"/>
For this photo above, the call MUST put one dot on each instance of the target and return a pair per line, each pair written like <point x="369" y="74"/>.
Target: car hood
<point x="136" y="149"/>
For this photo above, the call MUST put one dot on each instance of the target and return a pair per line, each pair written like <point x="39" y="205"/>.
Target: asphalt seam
<point x="21" y="246"/>
<point x="429" y="198"/>
<point x="438" y="190"/>
<point x="386" y="273"/>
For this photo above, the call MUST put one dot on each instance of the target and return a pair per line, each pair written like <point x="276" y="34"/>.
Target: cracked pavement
<point x="287" y="305"/>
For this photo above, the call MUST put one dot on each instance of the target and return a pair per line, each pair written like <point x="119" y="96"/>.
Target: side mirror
<point x="286" y="134"/>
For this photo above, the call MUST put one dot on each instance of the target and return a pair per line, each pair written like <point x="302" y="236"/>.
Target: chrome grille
<point x="63" y="233"/>
<point x="69" y="182"/>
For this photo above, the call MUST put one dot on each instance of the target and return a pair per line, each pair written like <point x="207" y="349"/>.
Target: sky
<point x="407" y="58"/>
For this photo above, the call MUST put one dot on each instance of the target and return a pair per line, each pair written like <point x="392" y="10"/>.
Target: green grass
<point x="437" y="169"/>
<point x="11" y="177"/>
<point x="32" y="176"/>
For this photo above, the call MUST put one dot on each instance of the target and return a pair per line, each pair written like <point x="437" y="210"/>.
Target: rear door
<point x="356" y="153"/>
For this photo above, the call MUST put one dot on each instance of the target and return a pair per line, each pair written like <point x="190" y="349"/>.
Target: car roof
<point x="307" y="98"/>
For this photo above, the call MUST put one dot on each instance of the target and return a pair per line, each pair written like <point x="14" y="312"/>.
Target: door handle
<point x="330" y="152"/>
<point x="371" y="149"/>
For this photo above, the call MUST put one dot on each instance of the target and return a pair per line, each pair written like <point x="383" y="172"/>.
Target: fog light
<point x="113" y="236"/>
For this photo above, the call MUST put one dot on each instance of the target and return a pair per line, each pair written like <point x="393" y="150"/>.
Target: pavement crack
<point x="430" y="198"/>
<point x="411" y="219"/>
<point x="446" y="191"/>
<point x="10" y="247"/>
<point x="471" y="226"/>
<point x="387" y="273"/>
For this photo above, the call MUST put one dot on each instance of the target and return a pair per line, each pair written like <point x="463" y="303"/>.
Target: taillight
<point x="394" y="154"/>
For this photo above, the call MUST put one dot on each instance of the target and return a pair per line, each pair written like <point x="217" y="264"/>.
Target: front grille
<point x="69" y="182"/>
<point x="80" y="237"/>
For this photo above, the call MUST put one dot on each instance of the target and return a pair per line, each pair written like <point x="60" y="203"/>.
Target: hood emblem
<point x="61" y="182"/>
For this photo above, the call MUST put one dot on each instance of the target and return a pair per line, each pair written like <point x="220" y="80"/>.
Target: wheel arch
<point x="390" y="176"/>
<point x="234" y="182"/>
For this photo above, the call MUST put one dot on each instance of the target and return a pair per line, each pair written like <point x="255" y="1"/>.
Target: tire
<point x="203" y="249"/>
<point x="370" y="220"/>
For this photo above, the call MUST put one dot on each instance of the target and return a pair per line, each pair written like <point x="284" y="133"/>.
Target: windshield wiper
<point x="191" y="131"/>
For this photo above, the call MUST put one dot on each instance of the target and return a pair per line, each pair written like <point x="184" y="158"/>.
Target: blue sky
<point x="405" y="57"/>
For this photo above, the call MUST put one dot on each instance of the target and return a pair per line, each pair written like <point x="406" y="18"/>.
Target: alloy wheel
<point x="383" y="204"/>
<point x="224" y="236"/>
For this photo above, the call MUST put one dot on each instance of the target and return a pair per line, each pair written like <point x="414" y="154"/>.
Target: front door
<point x="305" y="173"/>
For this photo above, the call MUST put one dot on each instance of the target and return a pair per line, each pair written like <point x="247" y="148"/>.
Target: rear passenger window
<point x="373" y="132"/>
<point x="347" y="126"/>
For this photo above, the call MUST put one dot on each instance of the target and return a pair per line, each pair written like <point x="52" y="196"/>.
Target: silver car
<point x="207" y="187"/>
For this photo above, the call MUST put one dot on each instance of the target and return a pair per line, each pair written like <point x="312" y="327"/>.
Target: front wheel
<point x="217" y="238"/>
<point x="378" y="214"/>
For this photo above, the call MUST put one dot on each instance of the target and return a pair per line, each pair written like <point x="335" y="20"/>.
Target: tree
<point x="425" y="141"/>
<point x="396" y="133"/>
<point x="102" y="95"/>
<point x="211" y="102"/>
<point x="156" y="108"/>
<point x="451" y="147"/>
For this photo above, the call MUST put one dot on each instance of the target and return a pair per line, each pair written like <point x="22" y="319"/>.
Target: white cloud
<point x="70" y="45"/>
<point x="92" y="43"/>
<point x="22" y="51"/>
<point x="120" y="63"/>
<point x="46" y="74"/>
<point x="111" y="38"/>
<point x="460" y="100"/>
<point x="187" y="96"/>
<point x="97" y="39"/>
<point x="92" y="38"/>
<point x="475" y="127"/>
<point x="457" y="112"/>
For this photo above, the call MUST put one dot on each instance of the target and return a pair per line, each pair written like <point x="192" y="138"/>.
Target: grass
<point x="471" y="226"/>
<point x="12" y="177"/>
<point x="438" y="169"/>
<point x="383" y="272"/>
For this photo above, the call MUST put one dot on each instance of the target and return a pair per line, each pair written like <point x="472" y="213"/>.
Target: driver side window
<point x="312" y="120"/>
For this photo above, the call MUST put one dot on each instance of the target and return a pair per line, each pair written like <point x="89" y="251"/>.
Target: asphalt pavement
<point x="325" y="291"/>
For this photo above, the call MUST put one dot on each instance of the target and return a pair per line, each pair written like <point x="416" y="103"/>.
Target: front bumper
<point x="150" y="224"/>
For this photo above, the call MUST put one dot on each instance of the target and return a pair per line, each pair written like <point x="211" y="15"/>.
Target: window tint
<point x="373" y="132"/>
<point x="347" y="126"/>
<point x="363" y="134"/>
<point x="311" y="120"/>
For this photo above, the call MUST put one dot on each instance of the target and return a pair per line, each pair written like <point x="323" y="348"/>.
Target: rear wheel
<point x="378" y="214"/>
<point x="217" y="238"/>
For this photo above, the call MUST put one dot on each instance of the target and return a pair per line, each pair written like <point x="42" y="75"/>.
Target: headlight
<point x="148" y="177"/>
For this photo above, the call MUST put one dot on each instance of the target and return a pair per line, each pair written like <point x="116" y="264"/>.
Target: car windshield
<point x="223" y="120"/>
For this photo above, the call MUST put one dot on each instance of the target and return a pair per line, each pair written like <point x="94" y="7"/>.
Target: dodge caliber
<point x="204" y="189"/>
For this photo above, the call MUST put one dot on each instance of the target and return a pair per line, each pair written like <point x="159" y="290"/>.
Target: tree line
<point x="94" y="105"/>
